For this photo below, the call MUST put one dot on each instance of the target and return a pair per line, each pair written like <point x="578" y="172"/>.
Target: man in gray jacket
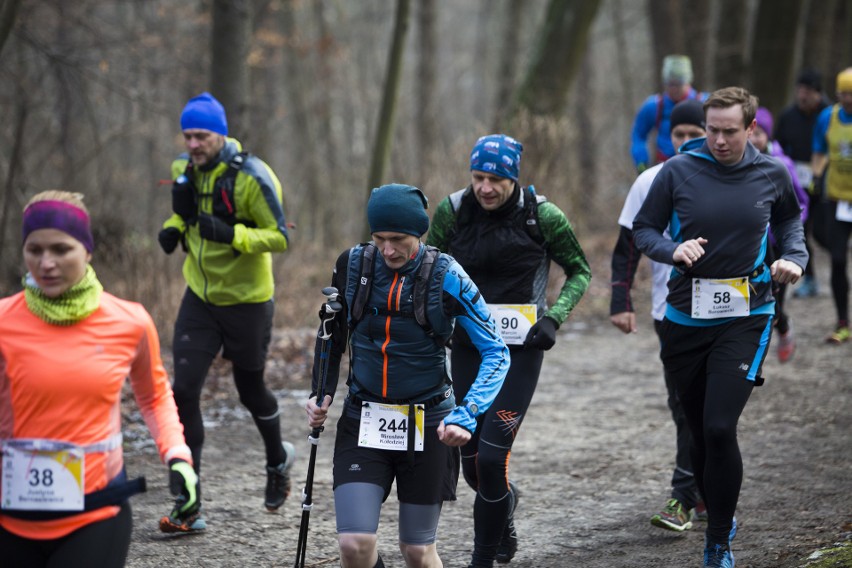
<point x="717" y="199"/>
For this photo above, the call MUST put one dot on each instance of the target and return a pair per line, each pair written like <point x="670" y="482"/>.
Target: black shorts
<point x="432" y="479"/>
<point x="242" y="331"/>
<point x="737" y="348"/>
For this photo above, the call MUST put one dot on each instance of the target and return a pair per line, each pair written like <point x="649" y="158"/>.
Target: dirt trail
<point x="593" y="461"/>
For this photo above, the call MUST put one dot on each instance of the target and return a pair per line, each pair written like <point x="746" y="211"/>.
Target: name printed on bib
<point x="514" y="321"/>
<point x="720" y="297"/>
<point x="385" y="426"/>
<point x="43" y="475"/>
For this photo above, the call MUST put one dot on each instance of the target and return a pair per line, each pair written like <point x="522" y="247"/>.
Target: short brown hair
<point x="731" y="96"/>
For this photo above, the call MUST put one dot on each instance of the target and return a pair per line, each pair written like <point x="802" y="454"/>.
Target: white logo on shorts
<point x="355" y="467"/>
<point x="743" y="367"/>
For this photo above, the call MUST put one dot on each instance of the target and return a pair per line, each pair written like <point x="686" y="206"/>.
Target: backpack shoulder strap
<point x="365" y="283"/>
<point x="660" y="104"/>
<point x="531" y="201"/>
<point x="421" y="288"/>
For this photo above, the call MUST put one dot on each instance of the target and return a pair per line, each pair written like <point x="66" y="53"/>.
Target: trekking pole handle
<point x="330" y="309"/>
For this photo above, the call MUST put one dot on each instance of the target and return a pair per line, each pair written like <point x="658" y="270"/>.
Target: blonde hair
<point x="73" y="198"/>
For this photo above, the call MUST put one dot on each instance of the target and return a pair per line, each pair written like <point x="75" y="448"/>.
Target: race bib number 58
<point x="720" y="298"/>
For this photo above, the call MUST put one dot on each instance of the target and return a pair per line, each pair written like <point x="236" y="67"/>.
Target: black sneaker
<point x="509" y="541"/>
<point x="278" y="479"/>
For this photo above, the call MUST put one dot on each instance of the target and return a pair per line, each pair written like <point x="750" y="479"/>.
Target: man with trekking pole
<point x="400" y="421"/>
<point x="327" y="313"/>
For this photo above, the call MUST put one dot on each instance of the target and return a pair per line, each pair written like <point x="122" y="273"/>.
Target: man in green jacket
<point x="505" y="236"/>
<point x="228" y="217"/>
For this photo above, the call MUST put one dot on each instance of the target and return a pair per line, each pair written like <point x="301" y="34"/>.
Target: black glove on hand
<point x="816" y="187"/>
<point x="214" y="229"/>
<point x="169" y="239"/>
<point x="183" y="484"/>
<point x="542" y="335"/>
<point x="183" y="198"/>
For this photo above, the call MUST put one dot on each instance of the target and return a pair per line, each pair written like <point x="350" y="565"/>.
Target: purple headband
<point x="59" y="215"/>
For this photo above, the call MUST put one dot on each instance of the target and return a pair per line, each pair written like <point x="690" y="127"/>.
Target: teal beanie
<point x="398" y="208"/>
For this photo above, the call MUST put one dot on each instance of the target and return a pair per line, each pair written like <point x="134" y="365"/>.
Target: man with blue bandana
<point x="505" y="236"/>
<point x="401" y="420"/>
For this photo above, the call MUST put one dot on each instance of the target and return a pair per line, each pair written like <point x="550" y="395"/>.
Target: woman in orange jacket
<point x="66" y="348"/>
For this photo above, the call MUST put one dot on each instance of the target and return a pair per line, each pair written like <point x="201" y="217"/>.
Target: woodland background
<point x="341" y="96"/>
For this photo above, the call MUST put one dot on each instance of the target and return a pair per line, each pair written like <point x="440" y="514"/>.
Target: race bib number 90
<point x="43" y="475"/>
<point x="385" y="426"/>
<point x="720" y="298"/>
<point x="514" y="321"/>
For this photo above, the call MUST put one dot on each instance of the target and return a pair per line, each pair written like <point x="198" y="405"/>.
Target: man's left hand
<point x="453" y="435"/>
<point x="214" y="229"/>
<point x="785" y="271"/>
<point x="542" y="335"/>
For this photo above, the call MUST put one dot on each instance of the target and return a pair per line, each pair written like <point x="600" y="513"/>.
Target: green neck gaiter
<point x="75" y="304"/>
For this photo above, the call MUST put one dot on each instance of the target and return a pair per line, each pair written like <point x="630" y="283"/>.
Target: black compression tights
<point x="713" y="410"/>
<point x="839" y="233"/>
<point x="485" y="458"/>
<point x="260" y="402"/>
<point x="103" y="544"/>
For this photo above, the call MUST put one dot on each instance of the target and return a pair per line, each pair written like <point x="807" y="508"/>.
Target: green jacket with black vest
<point x="240" y="272"/>
<point x="507" y="252"/>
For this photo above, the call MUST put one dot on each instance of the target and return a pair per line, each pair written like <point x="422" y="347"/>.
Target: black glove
<point x="214" y="229"/>
<point x="542" y="335"/>
<point x="183" y="484"/>
<point x="169" y="239"/>
<point x="816" y="187"/>
<point x="183" y="198"/>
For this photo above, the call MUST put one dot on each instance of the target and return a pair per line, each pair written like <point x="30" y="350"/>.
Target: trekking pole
<point x="329" y="310"/>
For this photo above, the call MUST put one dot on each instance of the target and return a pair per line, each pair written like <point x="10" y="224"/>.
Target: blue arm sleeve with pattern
<point x="481" y="327"/>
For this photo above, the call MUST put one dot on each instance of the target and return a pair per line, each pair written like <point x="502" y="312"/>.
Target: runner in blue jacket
<point x="398" y="377"/>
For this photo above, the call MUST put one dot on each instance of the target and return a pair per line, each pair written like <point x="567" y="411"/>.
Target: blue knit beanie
<point x="398" y="208"/>
<point x="204" y="111"/>
<point x="497" y="154"/>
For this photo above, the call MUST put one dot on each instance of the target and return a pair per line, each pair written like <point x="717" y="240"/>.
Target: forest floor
<point x="593" y="462"/>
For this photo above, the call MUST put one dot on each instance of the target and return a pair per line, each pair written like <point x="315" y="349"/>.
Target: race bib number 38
<point x="720" y="298"/>
<point x="385" y="426"/>
<point x="514" y="321"/>
<point x="40" y="475"/>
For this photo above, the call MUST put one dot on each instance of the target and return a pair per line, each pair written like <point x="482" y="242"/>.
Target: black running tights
<point x="260" y="402"/>
<point x="103" y="544"/>
<point x="713" y="405"/>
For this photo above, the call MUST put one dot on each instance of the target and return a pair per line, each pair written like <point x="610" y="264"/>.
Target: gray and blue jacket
<point x="730" y="206"/>
<point x="393" y="359"/>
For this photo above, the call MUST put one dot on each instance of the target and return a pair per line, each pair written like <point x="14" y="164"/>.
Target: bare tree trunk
<point x="310" y="225"/>
<point x="229" y="70"/>
<point x="730" y="52"/>
<point x="695" y="18"/>
<point x="840" y="56"/>
<point x="15" y="163"/>
<point x="387" y="112"/>
<point x="622" y="55"/>
<point x="558" y="55"/>
<point x="666" y="31"/>
<point x="8" y="14"/>
<point x="816" y="46"/>
<point x="772" y="51"/>
<point x="427" y="75"/>
<point x="508" y="64"/>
